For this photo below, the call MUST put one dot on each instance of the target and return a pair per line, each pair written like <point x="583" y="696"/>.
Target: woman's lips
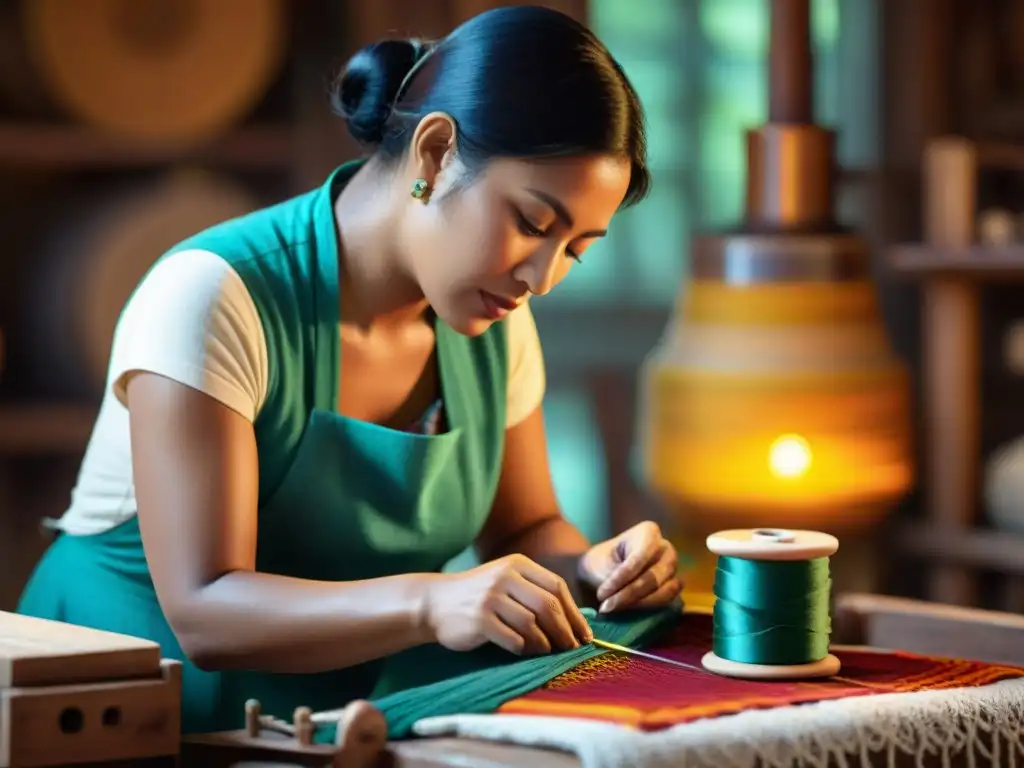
<point x="497" y="306"/>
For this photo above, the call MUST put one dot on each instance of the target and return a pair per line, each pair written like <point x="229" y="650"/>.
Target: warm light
<point x="778" y="405"/>
<point x="789" y="456"/>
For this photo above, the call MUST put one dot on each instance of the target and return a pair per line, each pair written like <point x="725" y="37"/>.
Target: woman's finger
<point x="502" y="635"/>
<point x="554" y="584"/>
<point x="547" y="610"/>
<point x="646" y="584"/>
<point x="663" y="595"/>
<point x="641" y="555"/>
<point x="523" y="622"/>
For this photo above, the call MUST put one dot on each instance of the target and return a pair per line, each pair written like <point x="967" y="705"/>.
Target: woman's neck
<point x="377" y="287"/>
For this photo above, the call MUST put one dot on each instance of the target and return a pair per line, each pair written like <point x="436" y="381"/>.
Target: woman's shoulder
<point x="195" y="280"/>
<point x="192" y="319"/>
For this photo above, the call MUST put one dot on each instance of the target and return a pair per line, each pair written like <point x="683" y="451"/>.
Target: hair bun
<point x="365" y="93"/>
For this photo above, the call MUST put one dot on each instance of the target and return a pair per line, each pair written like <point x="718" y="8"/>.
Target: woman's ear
<point x="432" y="149"/>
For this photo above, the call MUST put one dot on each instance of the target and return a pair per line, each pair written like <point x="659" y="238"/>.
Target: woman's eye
<point x="530" y="230"/>
<point x="527" y="228"/>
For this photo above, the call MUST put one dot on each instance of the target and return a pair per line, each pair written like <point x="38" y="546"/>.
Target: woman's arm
<point x="196" y="480"/>
<point x="525" y="517"/>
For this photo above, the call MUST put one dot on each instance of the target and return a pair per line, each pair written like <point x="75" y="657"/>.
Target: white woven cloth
<point x="985" y="724"/>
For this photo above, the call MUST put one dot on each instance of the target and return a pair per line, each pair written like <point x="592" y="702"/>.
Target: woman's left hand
<point x="636" y="569"/>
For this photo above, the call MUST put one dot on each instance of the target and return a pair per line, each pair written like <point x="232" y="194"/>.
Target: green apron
<point x="340" y="499"/>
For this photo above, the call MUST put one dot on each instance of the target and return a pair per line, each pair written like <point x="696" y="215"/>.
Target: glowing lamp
<point x="760" y="420"/>
<point x="774" y="397"/>
<point x="789" y="456"/>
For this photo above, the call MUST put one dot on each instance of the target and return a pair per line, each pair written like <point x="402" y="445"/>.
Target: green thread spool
<point x="771" y="618"/>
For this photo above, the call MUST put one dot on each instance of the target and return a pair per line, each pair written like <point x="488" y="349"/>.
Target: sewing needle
<point x="651" y="656"/>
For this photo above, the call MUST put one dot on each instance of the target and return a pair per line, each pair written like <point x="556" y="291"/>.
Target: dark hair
<point x="520" y="81"/>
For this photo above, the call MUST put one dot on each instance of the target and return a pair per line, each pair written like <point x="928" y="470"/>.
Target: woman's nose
<point x="539" y="272"/>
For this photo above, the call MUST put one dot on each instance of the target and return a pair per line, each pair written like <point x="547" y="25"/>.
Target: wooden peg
<point x="303" y="722"/>
<point x="252" y="718"/>
<point x="362" y="736"/>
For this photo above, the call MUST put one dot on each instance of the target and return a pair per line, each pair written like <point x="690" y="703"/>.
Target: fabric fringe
<point x="982" y="726"/>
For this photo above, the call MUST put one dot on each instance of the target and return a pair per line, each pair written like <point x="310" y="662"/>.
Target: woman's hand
<point x="636" y="569"/>
<point x="511" y="602"/>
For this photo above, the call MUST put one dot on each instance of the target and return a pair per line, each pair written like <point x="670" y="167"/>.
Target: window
<point x="700" y="69"/>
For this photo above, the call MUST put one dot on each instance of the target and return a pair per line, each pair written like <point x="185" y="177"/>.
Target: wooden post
<point x="950" y="319"/>
<point x="790" y="63"/>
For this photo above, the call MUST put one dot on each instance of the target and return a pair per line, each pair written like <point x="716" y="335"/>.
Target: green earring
<point x="419" y="189"/>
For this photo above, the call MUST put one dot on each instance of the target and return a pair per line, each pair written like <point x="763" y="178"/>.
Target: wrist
<point x="422" y="622"/>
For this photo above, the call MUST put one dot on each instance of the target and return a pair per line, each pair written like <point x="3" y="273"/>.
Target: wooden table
<point x="866" y="621"/>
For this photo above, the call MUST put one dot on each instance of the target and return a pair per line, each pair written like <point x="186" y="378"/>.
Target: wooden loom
<point x="71" y="695"/>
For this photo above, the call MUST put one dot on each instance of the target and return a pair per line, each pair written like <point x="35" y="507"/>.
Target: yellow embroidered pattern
<point x="604" y="666"/>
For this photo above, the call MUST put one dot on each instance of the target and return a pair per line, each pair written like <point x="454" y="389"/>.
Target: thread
<point x="772" y="612"/>
<point x="772" y="591"/>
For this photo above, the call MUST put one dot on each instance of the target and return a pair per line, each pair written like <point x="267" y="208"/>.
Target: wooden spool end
<point x="772" y="544"/>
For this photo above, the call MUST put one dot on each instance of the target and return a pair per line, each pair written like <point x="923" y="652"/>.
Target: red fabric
<point x="650" y="695"/>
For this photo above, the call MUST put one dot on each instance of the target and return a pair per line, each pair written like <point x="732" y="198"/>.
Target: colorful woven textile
<point x="429" y="680"/>
<point x="650" y="695"/>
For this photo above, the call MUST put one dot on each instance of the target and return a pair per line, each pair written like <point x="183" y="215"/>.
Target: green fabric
<point x="287" y="256"/>
<point x="481" y="681"/>
<point x="102" y="582"/>
<point x="339" y="499"/>
<point x="772" y="612"/>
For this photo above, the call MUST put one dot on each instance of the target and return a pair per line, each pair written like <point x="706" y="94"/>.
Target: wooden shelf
<point x="61" y="147"/>
<point x="43" y="430"/>
<point x="977" y="262"/>
<point x="979" y="548"/>
<point x="1000" y="155"/>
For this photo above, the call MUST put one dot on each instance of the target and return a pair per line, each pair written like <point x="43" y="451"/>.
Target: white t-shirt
<point x="192" y="320"/>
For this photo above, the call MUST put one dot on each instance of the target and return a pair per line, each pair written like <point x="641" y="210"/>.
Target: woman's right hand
<point x="511" y="602"/>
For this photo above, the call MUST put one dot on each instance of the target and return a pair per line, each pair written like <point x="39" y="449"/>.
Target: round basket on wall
<point x="169" y="71"/>
<point x="91" y="267"/>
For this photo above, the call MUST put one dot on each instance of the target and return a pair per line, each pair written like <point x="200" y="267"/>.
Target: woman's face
<point x="515" y="230"/>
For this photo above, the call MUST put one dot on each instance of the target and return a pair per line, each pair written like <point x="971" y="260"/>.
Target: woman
<point x="314" y="407"/>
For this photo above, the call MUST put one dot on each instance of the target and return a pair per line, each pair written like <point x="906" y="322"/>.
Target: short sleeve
<point x="192" y="320"/>
<point x="526" y="375"/>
